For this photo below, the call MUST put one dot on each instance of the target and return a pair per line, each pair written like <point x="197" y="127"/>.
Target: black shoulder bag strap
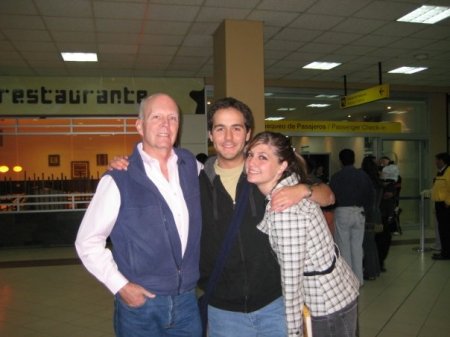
<point x="227" y="244"/>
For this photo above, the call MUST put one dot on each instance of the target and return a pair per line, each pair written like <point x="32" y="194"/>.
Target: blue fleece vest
<point x="146" y="244"/>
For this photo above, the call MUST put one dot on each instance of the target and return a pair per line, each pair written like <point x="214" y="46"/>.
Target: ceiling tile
<point x="50" y="57"/>
<point x="375" y="40"/>
<point x="316" y="22"/>
<point x="27" y="35"/>
<point x="354" y="51"/>
<point x="286" y="5"/>
<point x="77" y="47"/>
<point x="399" y="29"/>
<point x="442" y="45"/>
<point x="193" y="51"/>
<point x="206" y="28"/>
<point x="166" y="27"/>
<point x="177" y="2"/>
<point x="195" y="61"/>
<point x="410" y="43"/>
<point x="231" y="3"/>
<point x="34" y="46"/>
<point x="115" y="59"/>
<point x="17" y="71"/>
<point x="385" y="10"/>
<point x="25" y="7"/>
<point x="341" y="8"/>
<point x="10" y="56"/>
<point x="162" y="40"/>
<point x="434" y="32"/>
<point x="172" y="13"/>
<point x="158" y="50"/>
<point x="119" y="10"/>
<point x="117" y="48"/>
<point x="200" y="41"/>
<point x="337" y="38"/>
<point x="64" y="8"/>
<point x="21" y="22"/>
<point x="362" y="26"/>
<point x="69" y="24"/>
<point x="118" y="26"/>
<point x="297" y="34"/>
<point x="272" y="18"/>
<point x="217" y="14"/>
<point x="282" y="45"/>
<point x="67" y="37"/>
<point x="313" y="47"/>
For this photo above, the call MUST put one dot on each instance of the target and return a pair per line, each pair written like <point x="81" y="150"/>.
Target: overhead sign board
<point x="84" y="96"/>
<point x="365" y="96"/>
<point x="333" y="126"/>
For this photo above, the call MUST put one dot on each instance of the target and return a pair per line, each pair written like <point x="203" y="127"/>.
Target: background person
<point x="152" y="214"/>
<point x="440" y="194"/>
<point x="390" y="175"/>
<point x="371" y="263"/>
<point x="354" y="195"/>
<point x="312" y="271"/>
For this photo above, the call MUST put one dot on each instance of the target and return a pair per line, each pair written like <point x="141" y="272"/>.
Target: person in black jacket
<point x="247" y="299"/>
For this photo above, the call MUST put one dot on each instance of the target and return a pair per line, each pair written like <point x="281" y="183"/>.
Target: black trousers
<point x="383" y="241"/>
<point x="443" y="220"/>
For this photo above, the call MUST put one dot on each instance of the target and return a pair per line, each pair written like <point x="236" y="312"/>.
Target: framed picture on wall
<point x="53" y="160"/>
<point x="102" y="159"/>
<point x="80" y="169"/>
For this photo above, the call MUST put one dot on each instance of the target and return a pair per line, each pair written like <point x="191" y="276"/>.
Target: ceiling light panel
<point x="79" y="57"/>
<point x="427" y="14"/>
<point x="407" y="70"/>
<point x="274" y="118"/>
<point x="321" y="65"/>
<point x="317" y="105"/>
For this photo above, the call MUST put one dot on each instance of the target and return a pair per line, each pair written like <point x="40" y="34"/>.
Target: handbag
<point x="233" y="229"/>
<point x="374" y="227"/>
<point x="378" y="228"/>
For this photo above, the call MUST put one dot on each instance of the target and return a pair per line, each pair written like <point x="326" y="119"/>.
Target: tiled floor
<point x="49" y="300"/>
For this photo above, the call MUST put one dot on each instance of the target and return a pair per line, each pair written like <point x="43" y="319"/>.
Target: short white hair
<point x="144" y="102"/>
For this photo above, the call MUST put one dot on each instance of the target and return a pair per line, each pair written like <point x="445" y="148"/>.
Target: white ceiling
<point x="174" y="38"/>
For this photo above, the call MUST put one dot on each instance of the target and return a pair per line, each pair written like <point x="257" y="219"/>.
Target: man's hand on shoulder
<point x="118" y="163"/>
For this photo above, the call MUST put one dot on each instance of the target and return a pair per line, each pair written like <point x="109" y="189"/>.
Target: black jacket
<point x="251" y="277"/>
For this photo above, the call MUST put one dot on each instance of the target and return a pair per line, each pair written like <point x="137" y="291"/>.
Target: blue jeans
<point x="269" y="321"/>
<point x="342" y="323"/>
<point x="349" y="236"/>
<point x="160" y="316"/>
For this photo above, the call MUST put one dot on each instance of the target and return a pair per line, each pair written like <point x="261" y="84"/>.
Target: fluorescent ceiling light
<point x="427" y="14"/>
<point x="79" y="57"/>
<point x="326" y="96"/>
<point x="286" y="109"/>
<point x="321" y="65"/>
<point x="317" y="105"/>
<point x="406" y="70"/>
<point x="274" y="118"/>
<point x="397" y="112"/>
